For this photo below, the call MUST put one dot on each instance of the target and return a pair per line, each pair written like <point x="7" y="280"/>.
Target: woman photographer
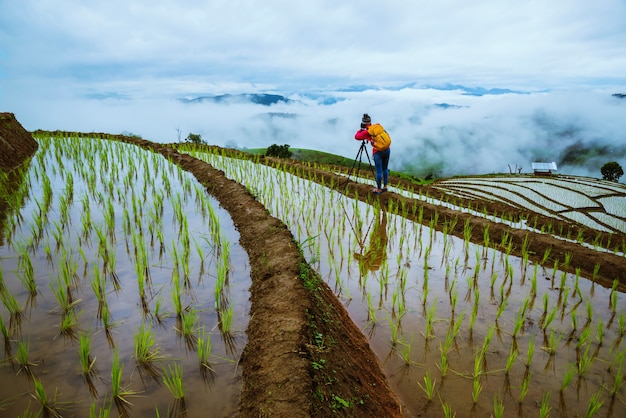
<point x="381" y="156"/>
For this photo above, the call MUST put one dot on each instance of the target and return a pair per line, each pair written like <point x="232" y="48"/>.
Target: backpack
<point x="380" y="138"/>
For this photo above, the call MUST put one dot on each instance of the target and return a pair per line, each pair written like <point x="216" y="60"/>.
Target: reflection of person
<point x="381" y="158"/>
<point x="376" y="253"/>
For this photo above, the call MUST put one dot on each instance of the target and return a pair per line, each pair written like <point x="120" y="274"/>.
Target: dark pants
<point x="381" y="160"/>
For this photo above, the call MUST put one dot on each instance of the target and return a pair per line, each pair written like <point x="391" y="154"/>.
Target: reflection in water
<point x="374" y="255"/>
<point x="13" y="193"/>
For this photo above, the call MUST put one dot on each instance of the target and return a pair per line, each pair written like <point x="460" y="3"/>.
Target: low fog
<point x="435" y="132"/>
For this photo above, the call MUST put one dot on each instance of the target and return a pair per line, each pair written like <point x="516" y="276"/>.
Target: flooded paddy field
<point x="123" y="287"/>
<point x="460" y="328"/>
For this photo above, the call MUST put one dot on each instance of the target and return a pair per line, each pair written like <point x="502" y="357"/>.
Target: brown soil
<point x="16" y="144"/>
<point x="305" y="356"/>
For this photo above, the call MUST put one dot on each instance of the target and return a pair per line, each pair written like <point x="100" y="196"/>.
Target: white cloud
<point x="57" y="58"/>
<point x="489" y="42"/>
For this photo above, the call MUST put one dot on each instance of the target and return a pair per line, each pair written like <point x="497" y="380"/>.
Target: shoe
<point x="384" y="189"/>
<point x="377" y="191"/>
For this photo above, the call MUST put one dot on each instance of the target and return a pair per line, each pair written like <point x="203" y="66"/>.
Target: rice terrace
<point x="147" y="279"/>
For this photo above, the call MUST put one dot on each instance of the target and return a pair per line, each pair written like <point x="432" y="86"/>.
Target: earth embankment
<point x="16" y="144"/>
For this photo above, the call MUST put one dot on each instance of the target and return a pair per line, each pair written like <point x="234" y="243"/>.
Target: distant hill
<point x="474" y="91"/>
<point x="320" y="157"/>
<point x="256" y="98"/>
<point x="328" y="98"/>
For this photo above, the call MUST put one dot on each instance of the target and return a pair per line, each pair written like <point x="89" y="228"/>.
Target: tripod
<point x="359" y="158"/>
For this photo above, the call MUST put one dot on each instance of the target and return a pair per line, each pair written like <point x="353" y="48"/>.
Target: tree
<point x="612" y="171"/>
<point x="280" y="151"/>
<point x="195" y="139"/>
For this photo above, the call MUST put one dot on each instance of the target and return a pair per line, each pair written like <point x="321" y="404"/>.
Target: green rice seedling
<point x="486" y="239"/>
<point x="524" y="250"/>
<point x="563" y="295"/>
<point x="430" y="317"/>
<point x="49" y="407"/>
<point x="544" y="411"/>
<point x="467" y="232"/>
<point x="97" y="284"/>
<point x="146" y="350"/>
<point x="226" y="320"/>
<point x="204" y="349"/>
<point x="546" y="256"/>
<point x="614" y="302"/>
<point x="394" y="328"/>
<point x="549" y="318"/>
<point x="583" y="338"/>
<point x="428" y="387"/>
<point x="12" y="305"/>
<point x="589" y="311"/>
<point x="519" y="322"/>
<point x="118" y="393"/>
<point x="596" y="272"/>
<point x="173" y="380"/>
<point x="552" y="343"/>
<point x="26" y="272"/>
<point x="501" y="308"/>
<point x="405" y="352"/>
<point x="555" y="268"/>
<point x="621" y="322"/>
<point x="494" y="277"/>
<point x="453" y="300"/>
<point x="473" y="317"/>
<point x="498" y="407"/>
<point x="530" y="352"/>
<point x="176" y="294"/>
<point x="443" y="365"/>
<point x="524" y="388"/>
<point x="105" y="316"/>
<point x="21" y="357"/>
<point x="371" y="310"/>
<point x="448" y="412"/>
<point x="600" y="332"/>
<point x="618" y="381"/>
<point x="87" y="363"/>
<point x="595" y="403"/>
<point x="63" y="294"/>
<point x="567" y="261"/>
<point x="103" y="412"/>
<point x="577" y="284"/>
<point x="6" y="333"/>
<point x="574" y="320"/>
<point x="533" y="281"/>
<point x="584" y="362"/>
<point x="486" y="342"/>
<point x="188" y="326"/>
<point x="476" y="389"/>
<point x="457" y="324"/>
<point x="69" y="321"/>
<point x="510" y="361"/>
<point x="158" y="309"/>
<point x="2" y="284"/>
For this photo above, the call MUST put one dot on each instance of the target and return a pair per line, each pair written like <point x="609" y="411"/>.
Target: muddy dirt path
<point x="296" y="322"/>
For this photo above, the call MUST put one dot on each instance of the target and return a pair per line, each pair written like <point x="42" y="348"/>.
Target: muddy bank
<point x="16" y="144"/>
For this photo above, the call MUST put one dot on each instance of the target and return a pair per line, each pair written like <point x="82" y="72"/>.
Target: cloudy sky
<point x="121" y="65"/>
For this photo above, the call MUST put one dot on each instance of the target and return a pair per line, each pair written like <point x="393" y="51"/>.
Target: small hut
<point x="544" y="169"/>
